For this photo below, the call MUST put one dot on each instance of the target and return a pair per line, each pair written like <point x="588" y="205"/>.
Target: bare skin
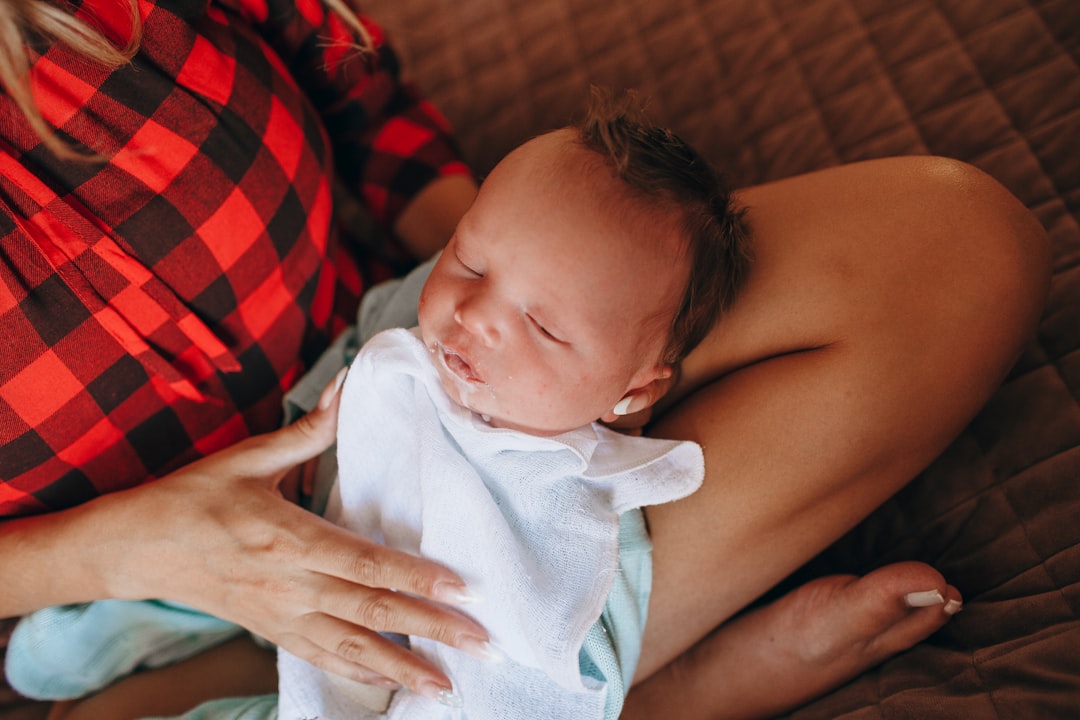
<point x="117" y="546"/>
<point x="237" y="668"/>
<point x="887" y="301"/>
<point x="804" y="644"/>
<point x="429" y="220"/>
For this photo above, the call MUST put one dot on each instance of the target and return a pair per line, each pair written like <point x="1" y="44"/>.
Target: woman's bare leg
<point x="782" y="655"/>
<point x="888" y="301"/>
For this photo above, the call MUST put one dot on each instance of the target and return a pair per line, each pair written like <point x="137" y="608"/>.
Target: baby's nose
<point x="479" y="320"/>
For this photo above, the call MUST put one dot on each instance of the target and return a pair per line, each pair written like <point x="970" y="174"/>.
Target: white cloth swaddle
<point x="530" y="523"/>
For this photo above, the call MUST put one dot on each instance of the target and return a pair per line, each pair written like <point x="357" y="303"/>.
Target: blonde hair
<point x="22" y="20"/>
<point x="348" y="14"/>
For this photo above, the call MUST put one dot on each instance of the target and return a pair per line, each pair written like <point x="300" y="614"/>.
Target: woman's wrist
<point x="57" y="558"/>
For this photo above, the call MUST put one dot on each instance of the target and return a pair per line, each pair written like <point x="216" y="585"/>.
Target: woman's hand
<point x="219" y="536"/>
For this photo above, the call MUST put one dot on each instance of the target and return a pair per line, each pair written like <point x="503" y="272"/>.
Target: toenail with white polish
<point x="952" y="607"/>
<point x="926" y="598"/>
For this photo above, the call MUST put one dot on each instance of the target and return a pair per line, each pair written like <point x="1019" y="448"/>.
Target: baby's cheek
<point x="543" y="398"/>
<point x="580" y="396"/>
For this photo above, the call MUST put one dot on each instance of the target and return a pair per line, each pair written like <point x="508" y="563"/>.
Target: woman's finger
<point x="294" y="444"/>
<point x="359" y="561"/>
<point x="360" y="654"/>
<point x="398" y="612"/>
<point x="272" y="455"/>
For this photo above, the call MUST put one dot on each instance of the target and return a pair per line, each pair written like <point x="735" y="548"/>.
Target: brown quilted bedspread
<point x="771" y="88"/>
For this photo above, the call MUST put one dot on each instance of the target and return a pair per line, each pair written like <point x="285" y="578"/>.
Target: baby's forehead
<point x="558" y="153"/>
<point x="556" y="174"/>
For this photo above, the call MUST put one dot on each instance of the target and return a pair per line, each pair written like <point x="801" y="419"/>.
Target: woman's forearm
<point x="218" y="535"/>
<point x="425" y="226"/>
<point x="59" y="558"/>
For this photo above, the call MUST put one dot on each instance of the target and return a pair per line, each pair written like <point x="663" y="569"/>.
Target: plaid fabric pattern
<point x="157" y="302"/>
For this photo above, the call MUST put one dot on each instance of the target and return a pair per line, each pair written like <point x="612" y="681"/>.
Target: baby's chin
<point x="482" y="399"/>
<point x="467" y="398"/>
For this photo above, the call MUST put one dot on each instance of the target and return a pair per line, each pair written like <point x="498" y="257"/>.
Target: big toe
<point x="899" y="605"/>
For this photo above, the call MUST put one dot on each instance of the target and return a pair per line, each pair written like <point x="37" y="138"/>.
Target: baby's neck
<point x="506" y="425"/>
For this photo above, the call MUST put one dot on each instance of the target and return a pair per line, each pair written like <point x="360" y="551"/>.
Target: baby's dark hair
<point x="659" y="166"/>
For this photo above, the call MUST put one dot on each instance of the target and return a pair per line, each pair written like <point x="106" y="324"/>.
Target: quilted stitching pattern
<point x="774" y="88"/>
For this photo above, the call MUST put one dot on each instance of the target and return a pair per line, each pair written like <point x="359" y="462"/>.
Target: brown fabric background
<point x="772" y="88"/>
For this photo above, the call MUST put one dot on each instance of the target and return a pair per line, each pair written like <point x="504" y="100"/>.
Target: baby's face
<point x="547" y="306"/>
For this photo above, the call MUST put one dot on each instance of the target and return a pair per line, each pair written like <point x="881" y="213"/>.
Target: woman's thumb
<point x="319" y="427"/>
<point x="332" y="392"/>
<point x="306" y="438"/>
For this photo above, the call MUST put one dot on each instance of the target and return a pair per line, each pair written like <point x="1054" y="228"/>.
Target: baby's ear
<point x="632" y="410"/>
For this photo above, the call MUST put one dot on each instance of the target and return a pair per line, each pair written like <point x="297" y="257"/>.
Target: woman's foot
<point x="810" y="641"/>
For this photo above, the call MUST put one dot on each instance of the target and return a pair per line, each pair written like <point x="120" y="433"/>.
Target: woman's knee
<point x="1003" y="245"/>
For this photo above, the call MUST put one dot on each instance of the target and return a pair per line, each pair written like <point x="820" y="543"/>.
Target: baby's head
<point x="593" y="259"/>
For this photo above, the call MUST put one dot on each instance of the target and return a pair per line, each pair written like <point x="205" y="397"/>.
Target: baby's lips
<point x="460" y="367"/>
<point x="456" y="364"/>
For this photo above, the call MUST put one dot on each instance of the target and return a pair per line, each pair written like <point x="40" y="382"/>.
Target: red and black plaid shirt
<point x="154" y="306"/>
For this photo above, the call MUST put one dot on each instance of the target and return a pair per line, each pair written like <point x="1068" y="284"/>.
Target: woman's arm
<point x="427" y="223"/>
<point x="218" y="535"/>
<point x="392" y="149"/>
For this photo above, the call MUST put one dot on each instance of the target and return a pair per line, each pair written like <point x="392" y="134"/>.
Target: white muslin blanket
<point x="530" y="523"/>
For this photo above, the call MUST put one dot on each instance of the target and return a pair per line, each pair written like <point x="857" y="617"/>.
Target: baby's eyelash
<point x="547" y="333"/>
<point x="468" y="267"/>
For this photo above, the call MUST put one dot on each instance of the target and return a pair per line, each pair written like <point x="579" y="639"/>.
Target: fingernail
<point x="623" y="406"/>
<point x="481" y="649"/>
<point x="927" y="598"/>
<point x="455" y="594"/>
<point x="952" y="607"/>
<point x="333" y="389"/>
<point x="381" y="681"/>
<point x="441" y="695"/>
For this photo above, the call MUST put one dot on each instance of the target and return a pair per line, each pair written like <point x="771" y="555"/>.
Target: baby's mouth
<point x="458" y="366"/>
